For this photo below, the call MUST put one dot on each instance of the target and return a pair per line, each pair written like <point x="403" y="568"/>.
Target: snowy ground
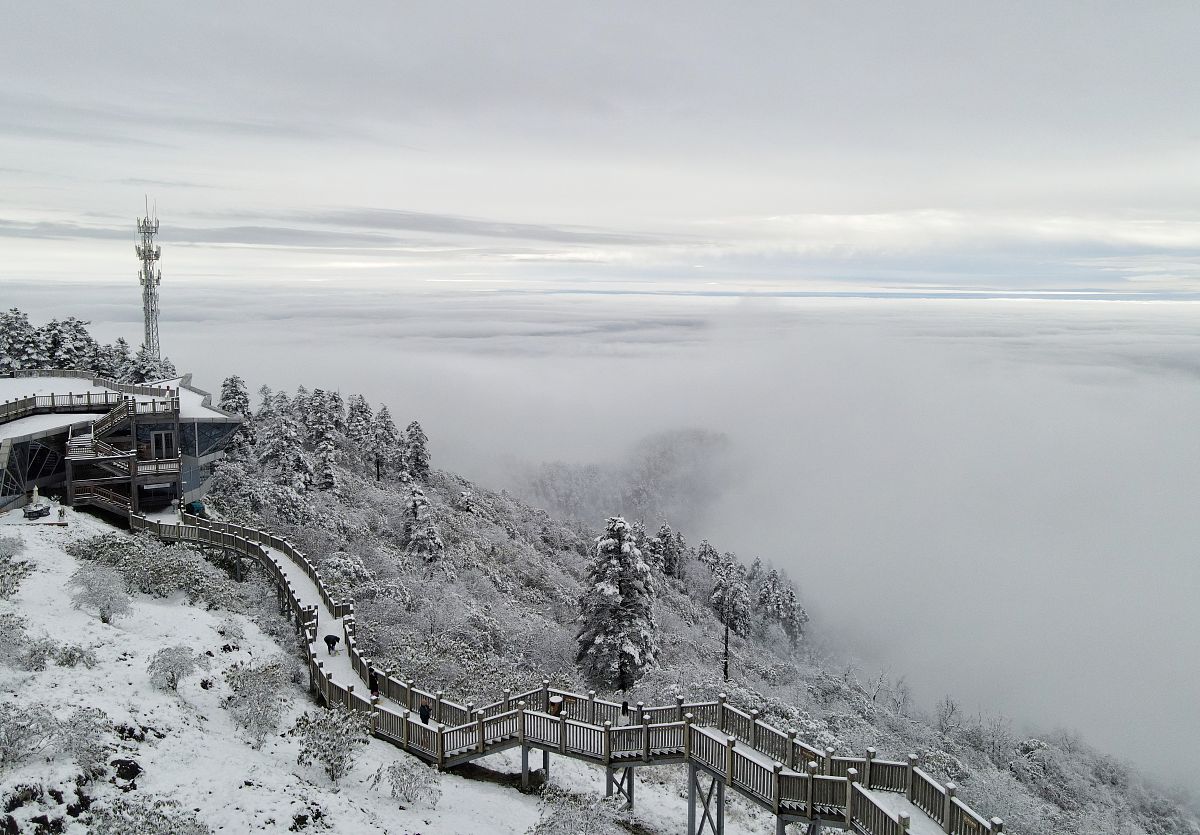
<point x="42" y="423"/>
<point x="193" y="753"/>
<point x="12" y="388"/>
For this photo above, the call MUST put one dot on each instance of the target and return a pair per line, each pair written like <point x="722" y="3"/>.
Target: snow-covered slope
<point x="190" y="751"/>
<point x="186" y="744"/>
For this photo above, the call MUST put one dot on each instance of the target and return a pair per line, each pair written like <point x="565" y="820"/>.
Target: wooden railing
<point x="105" y="382"/>
<point x="770" y="767"/>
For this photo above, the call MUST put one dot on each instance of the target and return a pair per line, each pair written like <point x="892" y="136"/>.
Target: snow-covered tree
<point x="416" y="454"/>
<point x="114" y="360"/>
<point x="360" y="420"/>
<point x="324" y="474"/>
<point x="281" y="450"/>
<point x="68" y="344"/>
<point x="101" y="588"/>
<point x="19" y="344"/>
<point x="731" y="600"/>
<point x="708" y="555"/>
<point x="259" y="697"/>
<point x="145" y="368"/>
<point x="266" y="403"/>
<point x="234" y="396"/>
<point x="420" y="528"/>
<point x="777" y="603"/>
<point x="386" y="442"/>
<point x="618" y="638"/>
<point x="171" y="665"/>
<point x="667" y="549"/>
<point x="330" y="737"/>
<point x="300" y="405"/>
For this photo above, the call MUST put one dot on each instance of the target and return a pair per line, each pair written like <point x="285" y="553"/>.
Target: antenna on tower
<point x="150" y="277"/>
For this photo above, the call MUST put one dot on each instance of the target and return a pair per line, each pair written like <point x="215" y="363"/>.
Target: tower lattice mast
<point x="150" y="277"/>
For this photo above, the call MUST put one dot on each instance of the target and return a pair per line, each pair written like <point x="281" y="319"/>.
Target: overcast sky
<point x="792" y="146"/>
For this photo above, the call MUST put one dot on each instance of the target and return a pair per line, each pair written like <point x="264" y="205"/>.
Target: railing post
<point x="521" y="722"/>
<point x="951" y="789"/>
<point x="905" y="821"/>
<point x="545" y="705"/>
<point x="562" y="731"/>
<point x="851" y="779"/>
<point x="791" y="760"/>
<point x="639" y="711"/>
<point x="997" y="825"/>
<point x="908" y="779"/>
<point x="437" y="706"/>
<point x="646" y="737"/>
<point x="812" y="779"/>
<point x="721" y="697"/>
<point x="607" y="742"/>
<point x="507" y="699"/>
<point x="374" y="715"/>
<point x="871" y="752"/>
<point x="441" y="745"/>
<point x="729" y="745"/>
<point x="687" y="736"/>
<point x="350" y="696"/>
<point x="775" y="789"/>
<point x="754" y="729"/>
<point x="679" y="708"/>
<point x="479" y="725"/>
<point x="591" y="707"/>
<point x="829" y="752"/>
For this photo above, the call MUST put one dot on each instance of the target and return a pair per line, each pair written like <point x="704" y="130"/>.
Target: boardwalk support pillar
<point x="524" y="766"/>
<point x="711" y="803"/>
<point x="620" y="780"/>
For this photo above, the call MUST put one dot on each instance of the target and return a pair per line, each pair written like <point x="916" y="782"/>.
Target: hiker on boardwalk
<point x="331" y="642"/>
<point x="424" y="712"/>
<point x="373" y="681"/>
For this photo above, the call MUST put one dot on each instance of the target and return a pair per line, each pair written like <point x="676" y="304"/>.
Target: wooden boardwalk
<point x="722" y="746"/>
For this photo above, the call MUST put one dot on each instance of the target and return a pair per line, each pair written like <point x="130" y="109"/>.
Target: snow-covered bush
<point x="12" y="570"/>
<point x="231" y="628"/>
<point x="171" y="665"/>
<point x="69" y="655"/>
<point x="35" y="653"/>
<point x="25" y="730"/>
<point x="145" y="816"/>
<point x="563" y="813"/>
<point x="84" y="736"/>
<point x="330" y="737"/>
<point x="258" y="698"/>
<point x="101" y="588"/>
<point x="410" y="781"/>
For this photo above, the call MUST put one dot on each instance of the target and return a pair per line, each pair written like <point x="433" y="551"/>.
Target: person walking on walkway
<point x="373" y="681"/>
<point x="424" y="712"/>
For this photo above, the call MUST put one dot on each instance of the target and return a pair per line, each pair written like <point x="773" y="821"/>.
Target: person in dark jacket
<point x="331" y="642"/>
<point x="373" y="682"/>
<point x="424" y="712"/>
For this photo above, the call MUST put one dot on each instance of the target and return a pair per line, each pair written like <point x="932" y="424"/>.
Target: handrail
<point x="461" y="732"/>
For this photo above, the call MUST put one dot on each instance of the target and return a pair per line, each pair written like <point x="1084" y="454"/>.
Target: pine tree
<point x="146" y="369"/>
<point x="20" y="345"/>
<point x="708" y="555"/>
<point x="420" y="529"/>
<point x="68" y="344"/>
<point x="266" y="404"/>
<point x="234" y="396"/>
<point x="359" y="423"/>
<point x="668" y="549"/>
<point x="618" y="636"/>
<point x="300" y="405"/>
<point x="326" y="476"/>
<point x="317" y="417"/>
<point x="731" y="600"/>
<point x="282" y="451"/>
<point x="416" y="456"/>
<point x="386" y="441"/>
<point x="115" y="359"/>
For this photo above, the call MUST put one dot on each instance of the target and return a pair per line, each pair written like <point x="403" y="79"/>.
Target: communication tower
<point x="150" y="277"/>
